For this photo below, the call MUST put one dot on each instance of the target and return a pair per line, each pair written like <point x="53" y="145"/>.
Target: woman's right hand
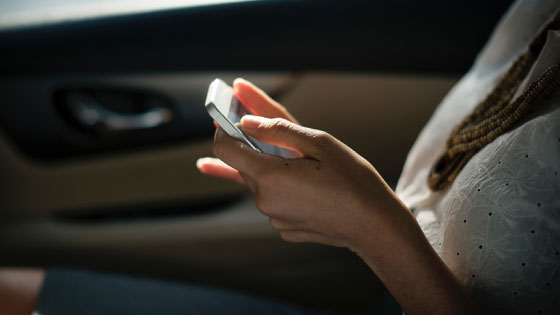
<point x="261" y="105"/>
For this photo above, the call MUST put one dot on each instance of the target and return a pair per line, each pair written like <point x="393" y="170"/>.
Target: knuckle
<point x="279" y="124"/>
<point x="323" y="139"/>
<point x="261" y="203"/>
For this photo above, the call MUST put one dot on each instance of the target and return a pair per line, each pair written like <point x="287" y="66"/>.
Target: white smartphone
<point x="227" y="110"/>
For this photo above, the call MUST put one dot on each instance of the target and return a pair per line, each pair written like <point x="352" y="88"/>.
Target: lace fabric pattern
<point x="498" y="226"/>
<point x="500" y="233"/>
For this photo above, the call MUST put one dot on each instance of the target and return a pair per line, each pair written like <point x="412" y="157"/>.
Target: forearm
<point x="401" y="256"/>
<point x="306" y="199"/>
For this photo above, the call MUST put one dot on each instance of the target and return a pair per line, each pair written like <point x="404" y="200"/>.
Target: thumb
<point x="285" y="134"/>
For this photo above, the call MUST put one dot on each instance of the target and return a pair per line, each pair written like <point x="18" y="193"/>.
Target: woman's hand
<point x="330" y="196"/>
<point x="326" y="197"/>
<point x="333" y="196"/>
<point x="262" y="105"/>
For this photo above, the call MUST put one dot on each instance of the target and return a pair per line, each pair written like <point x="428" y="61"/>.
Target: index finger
<point x="240" y="155"/>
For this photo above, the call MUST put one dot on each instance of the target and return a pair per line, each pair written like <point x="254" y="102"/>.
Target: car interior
<point x="102" y="120"/>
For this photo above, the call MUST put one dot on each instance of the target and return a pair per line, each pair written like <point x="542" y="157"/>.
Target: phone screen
<point x="227" y="110"/>
<point x="237" y="110"/>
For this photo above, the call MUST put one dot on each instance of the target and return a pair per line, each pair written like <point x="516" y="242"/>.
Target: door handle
<point x="89" y="113"/>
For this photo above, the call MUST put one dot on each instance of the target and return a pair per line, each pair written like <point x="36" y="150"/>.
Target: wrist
<point x="386" y="224"/>
<point x="397" y="251"/>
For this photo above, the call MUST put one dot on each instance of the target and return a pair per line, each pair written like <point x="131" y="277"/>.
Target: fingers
<point x="240" y="155"/>
<point x="259" y="101"/>
<point x="293" y="234"/>
<point x="283" y="133"/>
<point x="309" y="237"/>
<point x="281" y="225"/>
<point x="217" y="168"/>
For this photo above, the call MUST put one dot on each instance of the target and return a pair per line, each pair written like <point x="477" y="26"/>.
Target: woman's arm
<point x="412" y="271"/>
<point x="333" y="196"/>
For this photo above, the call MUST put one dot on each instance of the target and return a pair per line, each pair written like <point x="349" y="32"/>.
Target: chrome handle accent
<point x="89" y="113"/>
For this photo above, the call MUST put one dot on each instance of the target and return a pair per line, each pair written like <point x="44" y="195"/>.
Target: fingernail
<point x="252" y="122"/>
<point x="239" y="80"/>
<point x="200" y="162"/>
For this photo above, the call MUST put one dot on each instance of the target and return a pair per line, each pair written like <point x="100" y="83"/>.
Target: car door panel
<point x="368" y="72"/>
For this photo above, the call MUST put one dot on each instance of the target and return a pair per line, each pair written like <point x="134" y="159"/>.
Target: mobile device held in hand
<point x="227" y="110"/>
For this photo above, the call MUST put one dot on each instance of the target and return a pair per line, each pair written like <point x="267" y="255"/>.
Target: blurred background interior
<point x="102" y="120"/>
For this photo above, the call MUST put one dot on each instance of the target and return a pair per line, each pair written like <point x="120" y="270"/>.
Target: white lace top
<point x="498" y="226"/>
